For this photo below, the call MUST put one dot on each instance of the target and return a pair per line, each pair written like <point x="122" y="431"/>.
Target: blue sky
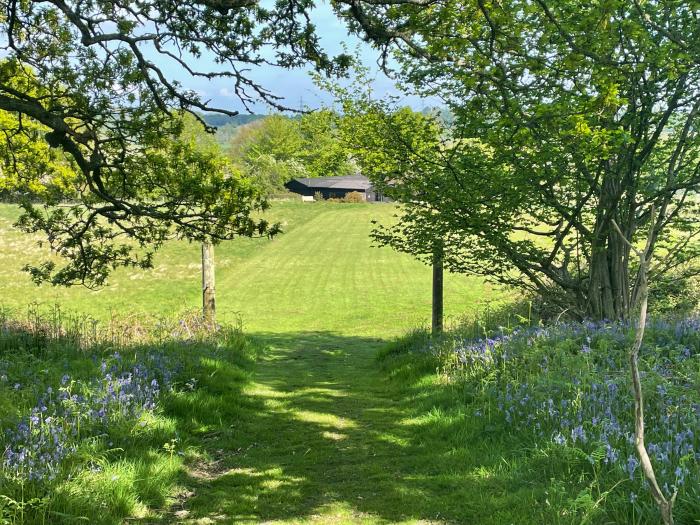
<point x="295" y="86"/>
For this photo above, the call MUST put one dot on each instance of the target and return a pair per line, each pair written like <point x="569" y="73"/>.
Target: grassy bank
<point x="544" y="416"/>
<point x="97" y="430"/>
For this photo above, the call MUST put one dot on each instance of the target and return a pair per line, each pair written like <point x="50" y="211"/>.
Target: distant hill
<point x="227" y="126"/>
<point x="218" y="120"/>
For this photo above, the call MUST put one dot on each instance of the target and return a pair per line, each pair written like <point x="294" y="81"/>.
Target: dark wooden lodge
<point x="335" y="187"/>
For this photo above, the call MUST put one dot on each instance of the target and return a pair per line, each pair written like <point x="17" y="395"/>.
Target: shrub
<point x="354" y="197"/>
<point x="674" y="294"/>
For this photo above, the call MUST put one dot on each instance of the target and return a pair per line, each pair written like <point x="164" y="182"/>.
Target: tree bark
<point x="664" y="504"/>
<point x="437" y="321"/>
<point x="208" y="284"/>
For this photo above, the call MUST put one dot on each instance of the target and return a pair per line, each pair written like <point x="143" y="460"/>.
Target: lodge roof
<point x="343" y="182"/>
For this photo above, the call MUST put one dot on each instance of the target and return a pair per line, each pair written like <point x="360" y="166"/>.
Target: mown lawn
<point x="321" y="274"/>
<point x="315" y="431"/>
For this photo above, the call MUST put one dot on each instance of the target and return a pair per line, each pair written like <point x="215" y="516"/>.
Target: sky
<point x="295" y="86"/>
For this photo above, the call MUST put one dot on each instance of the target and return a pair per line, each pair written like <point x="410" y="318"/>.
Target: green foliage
<point x="323" y="153"/>
<point x="88" y="81"/>
<point x="268" y="151"/>
<point x="29" y="166"/>
<point x="675" y="295"/>
<point x="274" y="150"/>
<point x="566" y="117"/>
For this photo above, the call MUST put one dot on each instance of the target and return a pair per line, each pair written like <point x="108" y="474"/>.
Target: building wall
<point x="328" y="193"/>
<point x="336" y="193"/>
<point x="376" y="196"/>
<point x="297" y="187"/>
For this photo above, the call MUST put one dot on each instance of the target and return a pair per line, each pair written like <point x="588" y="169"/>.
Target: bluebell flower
<point x="632" y="464"/>
<point x="578" y="434"/>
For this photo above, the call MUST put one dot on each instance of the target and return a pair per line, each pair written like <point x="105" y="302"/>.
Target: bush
<point x="354" y="197"/>
<point x="674" y="294"/>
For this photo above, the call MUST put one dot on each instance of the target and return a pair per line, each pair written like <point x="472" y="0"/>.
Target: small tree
<point x="567" y="116"/>
<point x="664" y="504"/>
<point x="377" y="138"/>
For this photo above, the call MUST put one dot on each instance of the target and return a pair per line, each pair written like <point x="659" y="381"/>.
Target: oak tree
<point x="94" y="81"/>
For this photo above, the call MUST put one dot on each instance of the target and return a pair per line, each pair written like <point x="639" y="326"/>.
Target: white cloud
<point x="226" y="92"/>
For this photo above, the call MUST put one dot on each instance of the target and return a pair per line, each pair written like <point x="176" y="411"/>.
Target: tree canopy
<point x="92" y="80"/>
<point x="276" y="149"/>
<point x="559" y="129"/>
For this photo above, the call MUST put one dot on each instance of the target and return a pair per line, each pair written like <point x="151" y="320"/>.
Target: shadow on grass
<point x="321" y="435"/>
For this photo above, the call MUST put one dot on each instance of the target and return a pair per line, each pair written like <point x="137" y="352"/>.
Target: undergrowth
<point x="556" y="403"/>
<point x="99" y="420"/>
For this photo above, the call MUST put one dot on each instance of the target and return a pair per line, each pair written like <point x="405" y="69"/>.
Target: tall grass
<point x="560" y="393"/>
<point x="96" y="416"/>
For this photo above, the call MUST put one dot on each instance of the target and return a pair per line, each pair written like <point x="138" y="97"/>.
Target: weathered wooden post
<point x="208" y="288"/>
<point x="437" y="289"/>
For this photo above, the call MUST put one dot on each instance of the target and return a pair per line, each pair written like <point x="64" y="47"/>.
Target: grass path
<point x="329" y="444"/>
<point x="321" y="274"/>
<point x="326" y="437"/>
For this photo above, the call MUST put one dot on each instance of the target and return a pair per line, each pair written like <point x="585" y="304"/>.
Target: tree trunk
<point x="608" y="295"/>
<point x="438" y="297"/>
<point x="664" y="504"/>
<point x="208" y="288"/>
<point x="608" y="290"/>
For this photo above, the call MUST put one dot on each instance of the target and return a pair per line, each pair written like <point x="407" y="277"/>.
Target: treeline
<point x="275" y="149"/>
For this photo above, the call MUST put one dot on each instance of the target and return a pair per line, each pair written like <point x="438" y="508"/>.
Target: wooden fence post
<point x="437" y="324"/>
<point x="208" y="288"/>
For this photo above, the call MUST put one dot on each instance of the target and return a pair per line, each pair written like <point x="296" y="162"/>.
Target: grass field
<point x="297" y="421"/>
<point x="317" y="434"/>
<point x="321" y="274"/>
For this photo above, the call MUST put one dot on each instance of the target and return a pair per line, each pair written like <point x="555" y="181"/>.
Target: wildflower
<point x="611" y="455"/>
<point x="680" y="474"/>
<point x="632" y="464"/>
<point x="559" y="439"/>
<point x="578" y="434"/>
